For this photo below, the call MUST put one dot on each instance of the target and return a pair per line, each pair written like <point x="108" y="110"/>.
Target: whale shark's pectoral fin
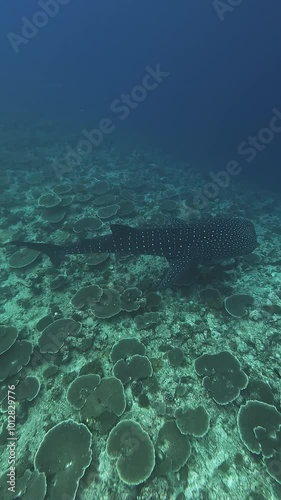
<point x="177" y="267"/>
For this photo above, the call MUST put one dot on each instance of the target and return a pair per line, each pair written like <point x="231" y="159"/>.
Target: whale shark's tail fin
<point x="55" y="253"/>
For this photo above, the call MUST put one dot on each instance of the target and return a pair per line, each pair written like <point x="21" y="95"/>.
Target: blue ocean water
<point x="139" y="113"/>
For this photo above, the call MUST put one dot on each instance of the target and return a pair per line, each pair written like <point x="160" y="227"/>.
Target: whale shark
<point x="182" y="243"/>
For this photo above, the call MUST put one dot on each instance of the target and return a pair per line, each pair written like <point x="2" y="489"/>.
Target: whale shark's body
<point x="183" y="244"/>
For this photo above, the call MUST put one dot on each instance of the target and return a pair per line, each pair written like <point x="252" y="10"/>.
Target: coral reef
<point x="122" y="390"/>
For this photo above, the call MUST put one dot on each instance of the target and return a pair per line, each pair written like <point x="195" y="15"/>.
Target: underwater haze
<point x="140" y="211"/>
